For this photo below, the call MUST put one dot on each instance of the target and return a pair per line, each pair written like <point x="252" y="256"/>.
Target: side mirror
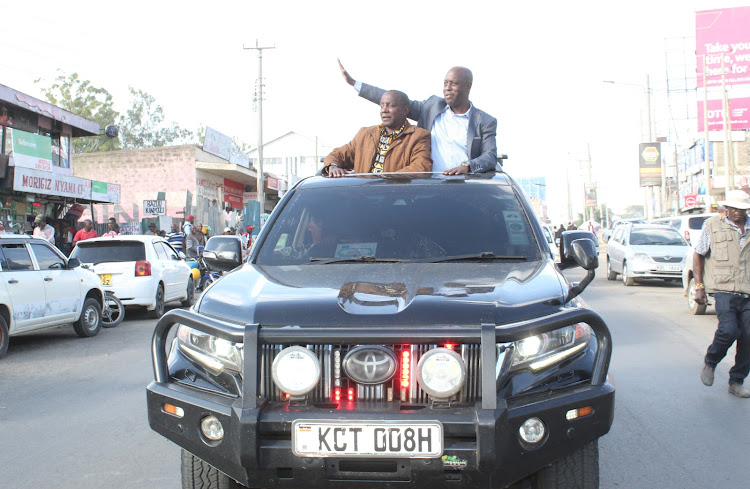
<point x="223" y="261"/>
<point x="74" y="263"/>
<point x="182" y="255"/>
<point x="585" y="256"/>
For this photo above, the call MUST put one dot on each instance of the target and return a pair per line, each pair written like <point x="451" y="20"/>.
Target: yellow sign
<point x="650" y="154"/>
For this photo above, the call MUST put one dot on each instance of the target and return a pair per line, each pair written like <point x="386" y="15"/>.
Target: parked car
<point x="554" y="245"/>
<point x="41" y="288"/>
<point x="139" y="270"/>
<point x="638" y="251"/>
<point x="365" y="344"/>
<point x="689" y="225"/>
<point x="607" y="234"/>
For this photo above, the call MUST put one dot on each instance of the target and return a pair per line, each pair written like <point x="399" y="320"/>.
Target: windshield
<point x="400" y="222"/>
<point x="656" y="237"/>
<point x="109" y="251"/>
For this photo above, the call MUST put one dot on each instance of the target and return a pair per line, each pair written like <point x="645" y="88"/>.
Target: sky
<point x="538" y="68"/>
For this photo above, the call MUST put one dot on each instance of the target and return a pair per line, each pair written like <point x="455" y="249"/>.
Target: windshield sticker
<point x="514" y="224"/>
<point x="354" y="250"/>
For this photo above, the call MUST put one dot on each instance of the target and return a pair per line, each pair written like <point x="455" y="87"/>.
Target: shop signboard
<point x="233" y="192"/>
<point x="105" y="192"/>
<point x="217" y="143"/>
<point x="47" y="183"/>
<point x="207" y="185"/>
<point x="650" y="164"/>
<point x="31" y="150"/>
<point x="155" y="207"/>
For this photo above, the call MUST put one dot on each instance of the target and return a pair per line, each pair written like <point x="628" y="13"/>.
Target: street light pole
<point x="261" y="177"/>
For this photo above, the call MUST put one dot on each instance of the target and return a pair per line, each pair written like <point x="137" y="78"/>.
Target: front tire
<point x="197" y="474"/>
<point x="579" y="470"/>
<point x="90" y="322"/>
<point x="158" y="311"/>
<point x="626" y="280"/>
<point x="695" y="308"/>
<point x="611" y="274"/>
<point x="190" y="294"/>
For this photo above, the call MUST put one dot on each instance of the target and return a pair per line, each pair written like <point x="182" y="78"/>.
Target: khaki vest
<point x="727" y="268"/>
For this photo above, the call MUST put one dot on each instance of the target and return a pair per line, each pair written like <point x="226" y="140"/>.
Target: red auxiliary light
<point x="143" y="268"/>
<point x="450" y="346"/>
<point x="351" y="394"/>
<point x="337" y="394"/>
<point x="405" y="368"/>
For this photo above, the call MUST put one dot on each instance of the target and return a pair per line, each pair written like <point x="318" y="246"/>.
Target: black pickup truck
<point x="387" y="331"/>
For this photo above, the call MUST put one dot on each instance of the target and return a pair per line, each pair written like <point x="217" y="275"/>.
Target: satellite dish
<point x="111" y="131"/>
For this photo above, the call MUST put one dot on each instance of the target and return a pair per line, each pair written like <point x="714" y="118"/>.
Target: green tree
<point x="82" y="98"/>
<point x="143" y="124"/>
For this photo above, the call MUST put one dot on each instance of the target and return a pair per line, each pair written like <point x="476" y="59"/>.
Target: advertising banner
<point x="217" y="144"/>
<point x="650" y="164"/>
<point x="233" y="192"/>
<point x="739" y="111"/>
<point x="47" y="183"/>
<point x="207" y="184"/>
<point x="723" y="33"/>
<point x="722" y="41"/>
<point x="32" y="150"/>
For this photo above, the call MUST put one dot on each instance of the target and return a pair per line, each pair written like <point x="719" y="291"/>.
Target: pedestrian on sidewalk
<point x="721" y="265"/>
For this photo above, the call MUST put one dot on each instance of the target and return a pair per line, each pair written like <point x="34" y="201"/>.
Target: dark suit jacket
<point x="480" y="138"/>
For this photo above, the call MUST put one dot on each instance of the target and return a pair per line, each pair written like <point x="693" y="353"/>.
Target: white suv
<point x="139" y="270"/>
<point x="689" y="225"/>
<point x="40" y="288"/>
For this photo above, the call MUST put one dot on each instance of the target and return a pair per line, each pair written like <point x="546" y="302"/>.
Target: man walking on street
<point x="176" y="238"/>
<point x="721" y="264"/>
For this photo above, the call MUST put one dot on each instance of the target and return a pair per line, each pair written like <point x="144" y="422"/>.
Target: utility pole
<point x="259" y="98"/>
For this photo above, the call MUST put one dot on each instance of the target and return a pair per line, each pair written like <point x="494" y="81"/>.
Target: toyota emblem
<point x="370" y="364"/>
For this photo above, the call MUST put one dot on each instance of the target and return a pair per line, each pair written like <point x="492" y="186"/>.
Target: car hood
<point x="398" y="294"/>
<point x="667" y="251"/>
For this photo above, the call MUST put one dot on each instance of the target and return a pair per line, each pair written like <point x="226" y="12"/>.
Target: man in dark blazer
<point x="462" y="136"/>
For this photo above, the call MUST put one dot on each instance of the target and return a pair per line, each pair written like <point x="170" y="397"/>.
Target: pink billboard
<point x="722" y="40"/>
<point x="723" y="33"/>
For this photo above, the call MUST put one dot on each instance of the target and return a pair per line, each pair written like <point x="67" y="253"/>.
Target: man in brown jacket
<point x="393" y="146"/>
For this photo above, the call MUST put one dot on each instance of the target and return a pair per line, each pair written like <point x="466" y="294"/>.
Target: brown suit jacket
<point x="410" y="152"/>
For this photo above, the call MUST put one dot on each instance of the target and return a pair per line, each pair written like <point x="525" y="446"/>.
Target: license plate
<point x="106" y="278"/>
<point x="669" y="268"/>
<point x="412" y="439"/>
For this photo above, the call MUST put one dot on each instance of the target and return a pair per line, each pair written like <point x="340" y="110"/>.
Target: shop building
<point x="37" y="165"/>
<point x="165" y="184"/>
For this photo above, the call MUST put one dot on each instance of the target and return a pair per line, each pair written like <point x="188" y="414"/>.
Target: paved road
<point x="72" y="411"/>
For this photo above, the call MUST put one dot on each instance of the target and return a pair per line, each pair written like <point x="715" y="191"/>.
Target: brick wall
<point x="141" y="174"/>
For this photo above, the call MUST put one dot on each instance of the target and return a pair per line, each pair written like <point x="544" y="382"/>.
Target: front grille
<point x="390" y="391"/>
<point x="667" y="259"/>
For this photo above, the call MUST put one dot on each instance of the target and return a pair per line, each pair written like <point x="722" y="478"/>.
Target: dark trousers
<point x="733" y="312"/>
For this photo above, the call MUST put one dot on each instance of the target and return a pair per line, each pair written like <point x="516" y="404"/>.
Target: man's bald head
<point x="456" y="88"/>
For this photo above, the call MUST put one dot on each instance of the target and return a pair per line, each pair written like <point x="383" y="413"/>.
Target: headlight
<point x="296" y="370"/>
<point x="642" y="257"/>
<point x="441" y="372"/>
<point x="541" y="351"/>
<point x="216" y="354"/>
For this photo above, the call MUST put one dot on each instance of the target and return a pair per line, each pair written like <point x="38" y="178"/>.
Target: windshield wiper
<point x="355" y="259"/>
<point x="485" y="255"/>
